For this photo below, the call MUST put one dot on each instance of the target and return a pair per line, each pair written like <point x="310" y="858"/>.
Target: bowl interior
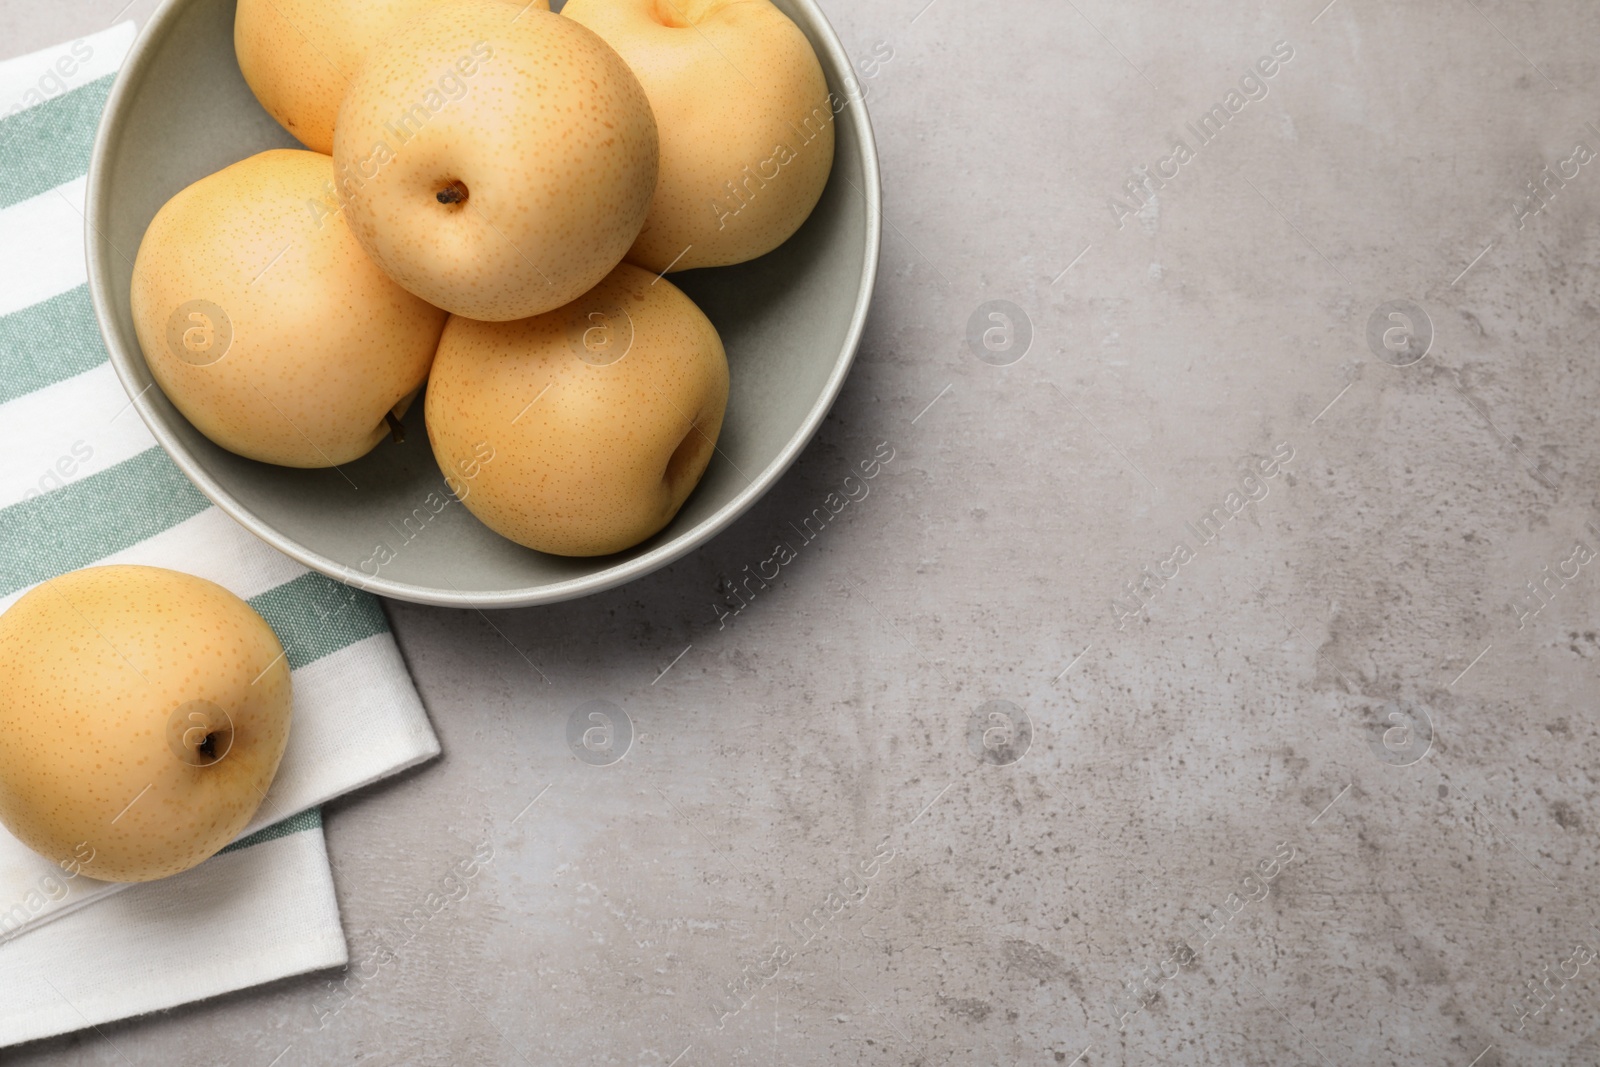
<point x="790" y="322"/>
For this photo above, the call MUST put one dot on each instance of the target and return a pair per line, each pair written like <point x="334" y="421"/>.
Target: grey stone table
<point x="1208" y="678"/>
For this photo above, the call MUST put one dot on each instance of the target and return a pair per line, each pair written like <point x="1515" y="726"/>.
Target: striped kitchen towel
<point x="83" y="482"/>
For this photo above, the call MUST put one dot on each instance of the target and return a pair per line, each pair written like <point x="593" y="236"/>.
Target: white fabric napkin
<point x="83" y="482"/>
<point x="247" y="915"/>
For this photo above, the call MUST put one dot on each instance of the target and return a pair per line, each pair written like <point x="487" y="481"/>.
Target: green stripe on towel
<point x="309" y="819"/>
<point x="93" y="518"/>
<point x="51" y="341"/>
<point x="48" y="145"/>
<point x="138" y="498"/>
<point x="314" y="616"/>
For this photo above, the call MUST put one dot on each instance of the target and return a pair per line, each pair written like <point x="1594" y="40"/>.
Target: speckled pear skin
<point x="298" y="56"/>
<point x="568" y="456"/>
<point x="746" y="124"/>
<point x="92" y="666"/>
<point x="533" y="130"/>
<point x="323" y="343"/>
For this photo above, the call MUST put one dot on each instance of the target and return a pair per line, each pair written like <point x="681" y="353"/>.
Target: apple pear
<point x="267" y="325"/>
<point x="746" y="124"/>
<point x="496" y="163"/>
<point x="143" y="713"/>
<point x="581" y="431"/>
<point x="298" y="56"/>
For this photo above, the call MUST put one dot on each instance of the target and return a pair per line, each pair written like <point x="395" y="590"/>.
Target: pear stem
<point x="397" y="429"/>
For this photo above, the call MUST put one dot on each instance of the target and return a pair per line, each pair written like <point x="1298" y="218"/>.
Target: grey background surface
<point x="1348" y="688"/>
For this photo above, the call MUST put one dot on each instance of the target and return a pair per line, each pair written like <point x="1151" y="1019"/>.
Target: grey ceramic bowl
<point x="790" y="321"/>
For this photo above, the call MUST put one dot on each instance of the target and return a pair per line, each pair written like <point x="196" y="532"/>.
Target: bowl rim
<point x="127" y="364"/>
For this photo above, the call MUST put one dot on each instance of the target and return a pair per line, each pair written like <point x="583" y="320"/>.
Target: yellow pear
<point x="298" y="56"/>
<point x="746" y="124"/>
<point x="143" y="713"/>
<point x="581" y="431"/>
<point x="495" y="163"/>
<point x="265" y="322"/>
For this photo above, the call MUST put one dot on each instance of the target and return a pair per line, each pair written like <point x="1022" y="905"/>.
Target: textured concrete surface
<point x="1316" y="788"/>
